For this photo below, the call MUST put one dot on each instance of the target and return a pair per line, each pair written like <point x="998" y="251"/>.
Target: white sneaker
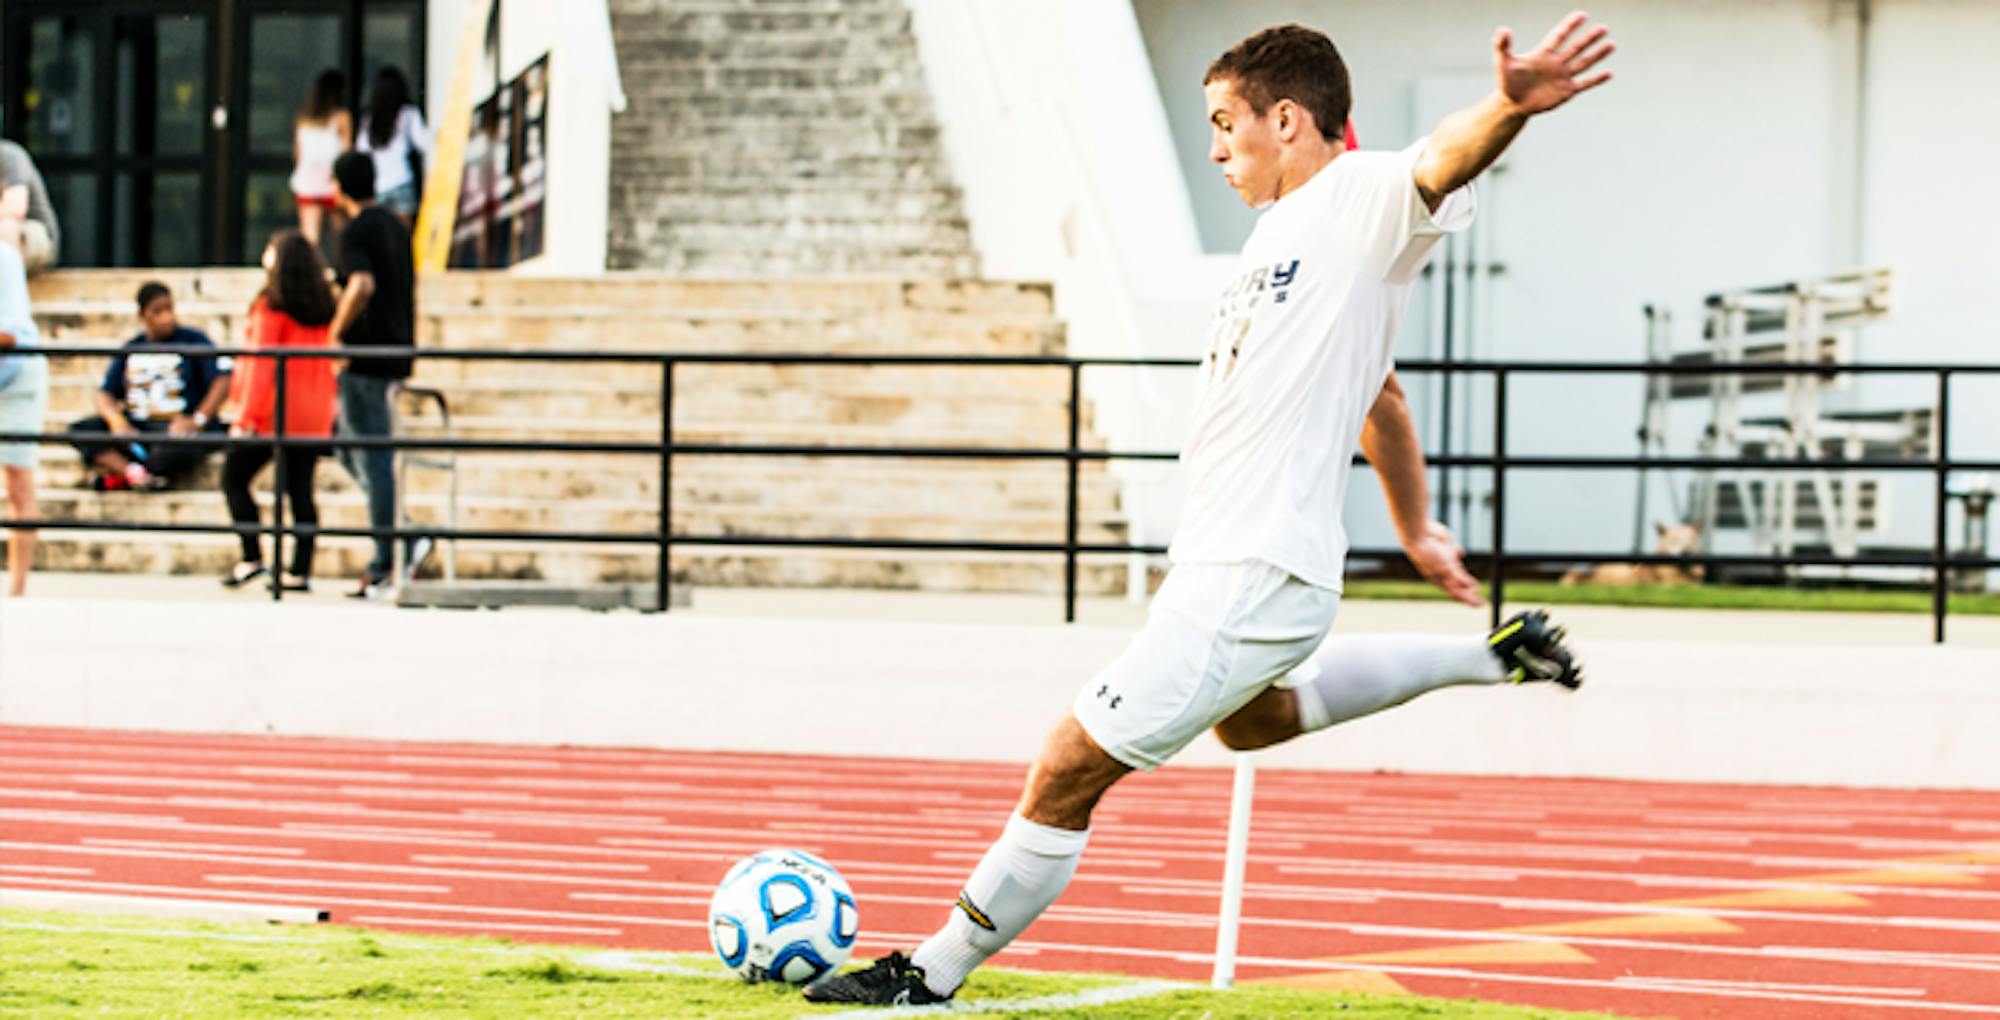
<point x="421" y="549"/>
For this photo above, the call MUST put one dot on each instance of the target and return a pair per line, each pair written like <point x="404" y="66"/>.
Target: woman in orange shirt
<point x="293" y="310"/>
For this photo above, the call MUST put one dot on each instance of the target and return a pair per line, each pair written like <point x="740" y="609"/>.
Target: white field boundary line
<point x="1067" y="1000"/>
<point x="387" y="940"/>
<point x="76" y="902"/>
<point x="1127" y="918"/>
<point x="1124" y="918"/>
<point x="1440" y="972"/>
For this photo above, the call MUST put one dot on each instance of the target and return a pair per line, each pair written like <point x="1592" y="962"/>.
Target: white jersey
<point x="1299" y="349"/>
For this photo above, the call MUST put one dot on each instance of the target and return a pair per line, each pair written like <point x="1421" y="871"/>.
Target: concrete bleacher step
<point x="935" y="499"/>
<point x="766" y="101"/>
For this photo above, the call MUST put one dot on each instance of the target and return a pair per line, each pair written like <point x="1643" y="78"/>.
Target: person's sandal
<point x="244" y="573"/>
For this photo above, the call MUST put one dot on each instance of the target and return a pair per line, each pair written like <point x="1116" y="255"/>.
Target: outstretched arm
<point x="1389" y="440"/>
<point x="1464" y="144"/>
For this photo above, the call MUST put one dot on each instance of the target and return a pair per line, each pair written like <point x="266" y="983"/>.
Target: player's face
<point x="1244" y="144"/>
<point x="159" y="318"/>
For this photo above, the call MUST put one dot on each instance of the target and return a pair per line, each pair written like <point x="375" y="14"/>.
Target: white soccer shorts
<point x="1216" y="635"/>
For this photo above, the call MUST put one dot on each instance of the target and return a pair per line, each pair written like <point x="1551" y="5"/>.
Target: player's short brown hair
<point x="1288" y="62"/>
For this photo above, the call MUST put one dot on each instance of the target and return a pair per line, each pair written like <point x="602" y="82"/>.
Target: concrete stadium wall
<point x="1740" y="144"/>
<point x="1902" y="714"/>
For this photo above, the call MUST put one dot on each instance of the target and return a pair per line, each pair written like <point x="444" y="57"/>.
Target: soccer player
<point x="1297" y="375"/>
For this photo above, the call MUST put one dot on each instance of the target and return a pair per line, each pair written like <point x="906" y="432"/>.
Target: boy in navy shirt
<point x="145" y="392"/>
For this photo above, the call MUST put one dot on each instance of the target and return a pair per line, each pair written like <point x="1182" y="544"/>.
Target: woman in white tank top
<point x="324" y="129"/>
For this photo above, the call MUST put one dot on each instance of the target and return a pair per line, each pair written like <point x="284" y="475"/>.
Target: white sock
<point x="1018" y="878"/>
<point x="1352" y="676"/>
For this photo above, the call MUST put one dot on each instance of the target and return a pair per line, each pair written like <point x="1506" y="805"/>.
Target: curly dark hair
<point x="296" y="284"/>
<point x="1289" y="62"/>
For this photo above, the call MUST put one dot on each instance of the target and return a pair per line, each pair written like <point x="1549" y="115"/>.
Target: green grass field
<point x="1697" y="596"/>
<point x="67" y="965"/>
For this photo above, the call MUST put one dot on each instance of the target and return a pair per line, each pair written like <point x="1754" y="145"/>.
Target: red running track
<point x="1645" y="899"/>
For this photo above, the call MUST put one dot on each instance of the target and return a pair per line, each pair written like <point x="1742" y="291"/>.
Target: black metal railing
<point x="1493" y="562"/>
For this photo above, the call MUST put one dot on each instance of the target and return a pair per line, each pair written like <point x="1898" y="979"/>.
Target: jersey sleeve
<point x="114" y="378"/>
<point x="1398" y="230"/>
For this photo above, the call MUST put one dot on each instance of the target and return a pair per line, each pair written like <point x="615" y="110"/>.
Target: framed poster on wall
<point x="500" y="205"/>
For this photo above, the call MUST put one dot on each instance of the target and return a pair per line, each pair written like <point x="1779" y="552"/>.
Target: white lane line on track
<point x="341" y="829"/>
<point x="1067" y="1000"/>
<point x="167" y="844"/>
<point x="531" y="929"/>
<point x="1780" y="986"/>
<point x="469" y="761"/>
<point x="47" y="869"/>
<point x="524" y="862"/>
<point x="664" y="901"/>
<point x="1550" y="905"/>
<point x="324" y="883"/>
<point x="1642" y="879"/>
<point x="327" y="774"/>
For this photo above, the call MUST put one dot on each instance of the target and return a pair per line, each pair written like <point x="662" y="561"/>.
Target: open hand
<point x="1436" y="555"/>
<point x="1555" y="71"/>
<point x="183" y="425"/>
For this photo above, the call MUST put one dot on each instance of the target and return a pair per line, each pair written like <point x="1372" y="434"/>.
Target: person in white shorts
<point x="1297" y="375"/>
<point x="24" y="402"/>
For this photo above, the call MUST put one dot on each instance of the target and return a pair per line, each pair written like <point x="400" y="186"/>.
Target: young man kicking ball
<point x="1297" y="375"/>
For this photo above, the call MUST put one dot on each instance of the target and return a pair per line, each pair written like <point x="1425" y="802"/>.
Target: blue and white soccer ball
<point x="783" y="915"/>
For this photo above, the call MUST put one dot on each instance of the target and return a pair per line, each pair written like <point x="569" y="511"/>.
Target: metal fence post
<point x="1940" y="577"/>
<point x="278" y="483"/>
<point x="1069" y="522"/>
<point x="663" y="587"/>
<point x="1499" y="594"/>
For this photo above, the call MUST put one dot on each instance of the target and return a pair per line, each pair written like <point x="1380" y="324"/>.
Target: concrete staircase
<point x="771" y="137"/>
<point x="724" y="495"/>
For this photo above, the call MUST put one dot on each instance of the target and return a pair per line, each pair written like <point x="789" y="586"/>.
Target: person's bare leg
<point x="1068" y="778"/>
<point x="20" y="541"/>
<point x="311" y="216"/>
<point x="1270" y="718"/>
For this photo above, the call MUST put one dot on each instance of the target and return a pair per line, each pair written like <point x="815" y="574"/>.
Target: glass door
<point x="164" y="127"/>
<point x="286" y="51"/>
<point x="111" y="101"/>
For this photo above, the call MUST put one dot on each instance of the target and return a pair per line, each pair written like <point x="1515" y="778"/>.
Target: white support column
<point x="1232" y="871"/>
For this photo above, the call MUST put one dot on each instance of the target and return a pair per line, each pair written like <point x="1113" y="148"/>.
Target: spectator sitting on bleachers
<point x="154" y="393"/>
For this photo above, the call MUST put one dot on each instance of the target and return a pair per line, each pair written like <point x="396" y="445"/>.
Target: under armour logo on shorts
<point x="1105" y="692"/>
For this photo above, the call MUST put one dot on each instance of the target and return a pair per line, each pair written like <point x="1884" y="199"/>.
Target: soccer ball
<point x="783" y="915"/>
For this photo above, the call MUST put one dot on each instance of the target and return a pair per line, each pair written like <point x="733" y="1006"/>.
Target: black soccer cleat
<point x="1532" y="649"/>
<point x="890" y="981"/>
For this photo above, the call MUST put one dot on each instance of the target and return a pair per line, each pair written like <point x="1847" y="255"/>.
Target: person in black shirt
<point x="377" y="309"/>
<point x="160" y="393"/>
